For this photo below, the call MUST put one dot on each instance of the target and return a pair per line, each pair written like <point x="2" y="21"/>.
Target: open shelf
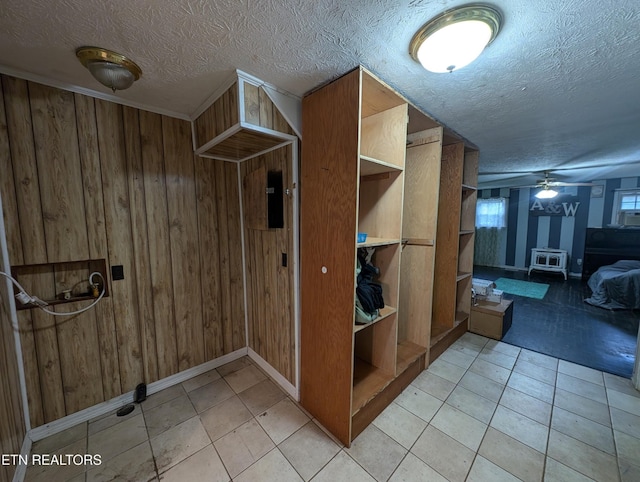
<point x="467" y="187"/>
<point x="73" y="299"/>
<point x="370" y="166"/>
<point x="438" y="331"/>
<point x="371" y="242"/>
<point x="384" y="312"/>
<point x="368" y="381"/>
<point x="461" y="316"/>
<point x="379" y="198"/>
<point x="462" y="275"/>
<point x="408" y="352"/>
<point x="55" y="278"/>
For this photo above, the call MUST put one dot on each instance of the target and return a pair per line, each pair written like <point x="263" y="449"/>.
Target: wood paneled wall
<point x="270" y="286"/>
<point x="218" y="117"/>
<point x="260" y="111"/>
<point x="12" y="428"/>
<point x="84" y="178"/>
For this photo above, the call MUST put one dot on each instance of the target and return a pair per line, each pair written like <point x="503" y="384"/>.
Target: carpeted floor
<point x="562" y="325"/>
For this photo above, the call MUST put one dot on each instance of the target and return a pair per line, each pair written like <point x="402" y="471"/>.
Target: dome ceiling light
<point x="111" y="69"/>
<point x="546" y="193"/>
<point x="455" y="38"/>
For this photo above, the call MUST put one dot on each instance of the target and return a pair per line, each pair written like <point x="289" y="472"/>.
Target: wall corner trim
<point x="25" y="451"/>
<point x="282" y="381"/>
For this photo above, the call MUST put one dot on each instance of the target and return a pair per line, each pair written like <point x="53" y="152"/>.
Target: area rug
<point x="522" y="288"/>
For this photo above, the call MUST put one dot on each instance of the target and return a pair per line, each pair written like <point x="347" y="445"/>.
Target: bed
<point x="616" y="286"/>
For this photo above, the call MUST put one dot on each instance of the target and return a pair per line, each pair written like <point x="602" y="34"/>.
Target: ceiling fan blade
<point x="571" y="184"/>
<point x="547" y="185"/>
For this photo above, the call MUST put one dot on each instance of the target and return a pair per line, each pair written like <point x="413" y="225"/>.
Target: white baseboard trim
<point x="516" y="268"/>
<point x="286" y="385"/>
<point x="103" y="408"/>
<point x="25" y="451"/>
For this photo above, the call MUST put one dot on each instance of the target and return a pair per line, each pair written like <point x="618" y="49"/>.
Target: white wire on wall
<point x="26" y="299"/>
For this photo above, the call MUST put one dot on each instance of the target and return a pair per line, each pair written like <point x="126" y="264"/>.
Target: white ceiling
<point x="559" y="89"/>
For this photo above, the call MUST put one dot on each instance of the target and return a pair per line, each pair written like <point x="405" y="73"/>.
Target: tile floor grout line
<point x="613" y="434"/>
<point x="153" y="456"/>
<point x="546" y="448"/>
<point x="555" y="408"/>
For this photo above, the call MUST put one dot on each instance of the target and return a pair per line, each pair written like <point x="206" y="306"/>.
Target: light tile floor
<point x="484" y="411"/>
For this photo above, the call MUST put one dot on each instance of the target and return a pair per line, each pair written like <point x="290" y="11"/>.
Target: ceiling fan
<point x="547" y="184"/>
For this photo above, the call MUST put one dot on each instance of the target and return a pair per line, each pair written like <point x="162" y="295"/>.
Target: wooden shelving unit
<point x="455" y="243"/>
<point x="384" y="312"/>
<point x="371" y="162"/>
<point x="354" y="183"/>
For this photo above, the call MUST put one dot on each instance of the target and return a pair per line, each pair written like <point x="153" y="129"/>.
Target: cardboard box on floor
<point x="491" y="319"/>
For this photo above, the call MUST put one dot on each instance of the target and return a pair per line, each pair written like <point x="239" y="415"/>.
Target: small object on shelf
<point x="362" y="237"/>
<point x="95" y="292"/>
<point x="66" y="294"/>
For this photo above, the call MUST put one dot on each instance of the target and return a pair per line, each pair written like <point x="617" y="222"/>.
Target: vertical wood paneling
<point x="118" y="221"/>
<point x="159" y="246"/>
<point x="136" y="197"/>
<point x="183" y="229"/>
<point x="97" y="239"/>
<point x="56" y="141"/>
<point x="13" y="427"/>
<point x="69" y="340"/>
<point x="269" y="290"/>
<point x="141" y="244"/>
<point x="266" y="110"/>
<point x="208" y="242"/>
<point x="250" y="274"/>
<point x="251" y="104"/>
<point x="218" y="117"/>
<point x="235" y="257"/>
<point x="223" y="227"/>
<point x="77" y="336"/>
<point x="28" y="224"/>
<point x="231" y="105"/>
<point x="261" y="111"/>
<point x="284" y="275"/>
<point x="41" y="281"/>
<point x="7" y="189"/>
<point x="24" y="169"/>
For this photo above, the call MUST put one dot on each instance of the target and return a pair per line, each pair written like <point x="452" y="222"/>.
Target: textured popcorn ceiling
<point x="558" y="89"/>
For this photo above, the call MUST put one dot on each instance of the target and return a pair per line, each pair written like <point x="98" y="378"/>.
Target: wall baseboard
<point x="285" y="384"/>
<point x="104" y="408"/>
<point x="516" y="268"/>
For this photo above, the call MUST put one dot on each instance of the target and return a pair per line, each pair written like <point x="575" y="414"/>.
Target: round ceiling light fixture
<point x="546" y="193"/>
<point x="455" y="38"/>
<point x="110" y="68"/>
